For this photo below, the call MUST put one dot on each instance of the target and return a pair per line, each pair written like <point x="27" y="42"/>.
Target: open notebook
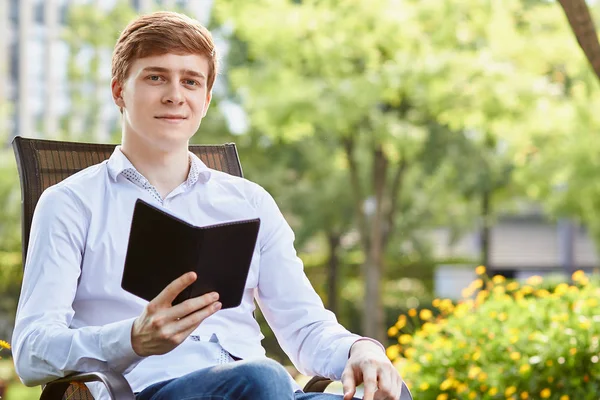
<point x="163" y="247"/>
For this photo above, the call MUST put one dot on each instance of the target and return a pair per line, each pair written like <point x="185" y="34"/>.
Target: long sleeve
<point x="311" y="336"/>
<point x="45" y="347"/>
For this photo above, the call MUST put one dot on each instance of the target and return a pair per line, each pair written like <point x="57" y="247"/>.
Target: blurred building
<point x="34" y="62"/>
<point x="521" y="245"/>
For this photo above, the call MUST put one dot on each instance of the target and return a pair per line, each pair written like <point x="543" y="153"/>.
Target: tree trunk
<point x="333" y="240"/>
<point x="582" y="24"/>
<point x="485" y="227"/>
<point x="373" y="313"/>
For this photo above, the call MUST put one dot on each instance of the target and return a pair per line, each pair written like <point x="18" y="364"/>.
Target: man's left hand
<point x="369" y="364"/>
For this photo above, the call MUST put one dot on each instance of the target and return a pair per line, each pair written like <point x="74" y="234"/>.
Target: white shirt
<point x="73" y="314"/>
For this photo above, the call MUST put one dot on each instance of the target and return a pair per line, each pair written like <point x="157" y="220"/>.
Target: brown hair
<point x="160" y="33"/>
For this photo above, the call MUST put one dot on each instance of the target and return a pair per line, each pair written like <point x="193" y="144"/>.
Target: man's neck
<point x="165" y="170"/>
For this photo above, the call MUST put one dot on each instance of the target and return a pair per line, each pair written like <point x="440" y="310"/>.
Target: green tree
<point x="375" y="77"/>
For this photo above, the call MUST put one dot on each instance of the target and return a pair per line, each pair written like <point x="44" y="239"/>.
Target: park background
<point x="406" y="142"/>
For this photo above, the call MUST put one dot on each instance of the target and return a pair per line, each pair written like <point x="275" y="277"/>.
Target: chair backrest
<point x="43" y="163"/>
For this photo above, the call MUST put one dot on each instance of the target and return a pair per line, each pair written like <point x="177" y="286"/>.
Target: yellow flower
<point x="545" y="393"/>
<point x="564" y="397"/>
<point x="499" y="290"/>
<point x="447" y="384"/>
<point x="493" y="391"/>
<point x="578" y="275"/>
<point x="549" y="363"/>
<point x="512" y="286"/>
<point x="478" y="284"/>
<point x="480" y="270"/>
<point x="550" y="379"/>
<point x="592" y="302"/>
<point x="476" y="355"/>
<point x="393" y="331"/>
<point x="525" y="368"/>
<point x="442" y="396"/>
<point x="510" y="391"/>
<point x="585" y="324"/>
<point x="461" y="388"/>
<point x="400" y="324"/>
<point x="405" y="339"/>
<point x="393" y="352"/>
<point x="412" y="312"/>
<point x="425" y="314"/>
<point x="502" y="316"/>
<point x="436" y="302"/>
<point x="472" y="395"/>
<point x="524" y="395"/>
<point x="515" y="356"/>
<point x="467" y="292"/>
<point x="513" y="339"/>
<point x="561" y="288"/>
<point x="482" y="377"/>
<point x="4" y="345"/>
<point x="424" y="386"/>
<point x="526" y="289"/>
<point x="542" y="293"/>
<point x="498" y="279"/>
<point x="534" y="280"/>
<point x="572" y="351"/>
<point x="473" y="372"/>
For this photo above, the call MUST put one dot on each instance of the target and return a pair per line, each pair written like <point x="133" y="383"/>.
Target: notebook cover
<point x="163" y="247"/>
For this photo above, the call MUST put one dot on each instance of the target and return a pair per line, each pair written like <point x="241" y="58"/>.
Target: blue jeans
<point x="240" y="380"/>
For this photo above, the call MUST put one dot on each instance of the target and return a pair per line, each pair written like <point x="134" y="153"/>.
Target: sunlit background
<point x="406" y="141"/>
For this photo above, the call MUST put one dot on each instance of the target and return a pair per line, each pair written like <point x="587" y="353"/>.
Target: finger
<point x="348" y="384"/>
<point x="390" y="383"/>
<point x="186" y="325"/>
<point x="369" y="382"/>
<point x="387" y="384"/>
<point x="173" y="289"/>
<point x="192" y="305"/>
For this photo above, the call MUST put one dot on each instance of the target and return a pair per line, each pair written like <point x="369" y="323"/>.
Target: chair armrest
<point x="318" y="384"/>
<point x="117" y="386"/>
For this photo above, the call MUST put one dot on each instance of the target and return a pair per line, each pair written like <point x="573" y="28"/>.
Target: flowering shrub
<point x="4" y="345"/>
<point x="504" y="340"/>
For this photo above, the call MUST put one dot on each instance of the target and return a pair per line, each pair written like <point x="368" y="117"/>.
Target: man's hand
<point x="162" y="327"/>
<point x="369" y="364"/>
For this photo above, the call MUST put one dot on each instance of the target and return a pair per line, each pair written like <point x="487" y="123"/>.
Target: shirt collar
<point x="118" y="162"/>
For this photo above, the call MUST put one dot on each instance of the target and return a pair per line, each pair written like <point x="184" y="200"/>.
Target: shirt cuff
<point x="115" y="342"/>
<point x="369" y="340"/>
<point x="340" y="357"/>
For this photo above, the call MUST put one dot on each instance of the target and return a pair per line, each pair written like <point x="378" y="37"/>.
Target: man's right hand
<point x="162" y="326"/>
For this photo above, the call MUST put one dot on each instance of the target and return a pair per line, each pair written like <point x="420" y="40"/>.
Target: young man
<point x="73" y="314"/>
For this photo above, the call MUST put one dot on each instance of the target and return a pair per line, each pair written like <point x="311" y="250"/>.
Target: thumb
<point x="348" y="384"/>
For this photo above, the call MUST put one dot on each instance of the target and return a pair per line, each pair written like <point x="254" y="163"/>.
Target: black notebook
<point x="162" y="247"/>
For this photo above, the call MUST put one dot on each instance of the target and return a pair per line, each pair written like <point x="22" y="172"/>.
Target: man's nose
<point x="174" y="95"/>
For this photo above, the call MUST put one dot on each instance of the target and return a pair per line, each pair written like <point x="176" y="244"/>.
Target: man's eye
<point x="154" y="78"/>
<point x="191" y="82"/>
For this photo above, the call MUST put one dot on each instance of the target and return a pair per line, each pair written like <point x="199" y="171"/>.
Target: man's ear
<point x="117" y="93"/>
<point x="207" y="104"/>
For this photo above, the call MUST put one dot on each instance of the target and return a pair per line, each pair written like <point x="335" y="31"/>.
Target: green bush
<point x="504" y="340"/>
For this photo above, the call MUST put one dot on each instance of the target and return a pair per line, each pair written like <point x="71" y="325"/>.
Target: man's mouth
<point x="171" y="118"/>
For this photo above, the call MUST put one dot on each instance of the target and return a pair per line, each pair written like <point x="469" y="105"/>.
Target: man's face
<point x="164" y="98"/>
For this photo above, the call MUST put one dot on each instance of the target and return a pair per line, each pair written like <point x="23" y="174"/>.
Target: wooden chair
<point x="42" y="163"/>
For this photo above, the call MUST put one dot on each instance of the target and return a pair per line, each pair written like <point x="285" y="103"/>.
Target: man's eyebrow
<point x="163" y="70"/>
